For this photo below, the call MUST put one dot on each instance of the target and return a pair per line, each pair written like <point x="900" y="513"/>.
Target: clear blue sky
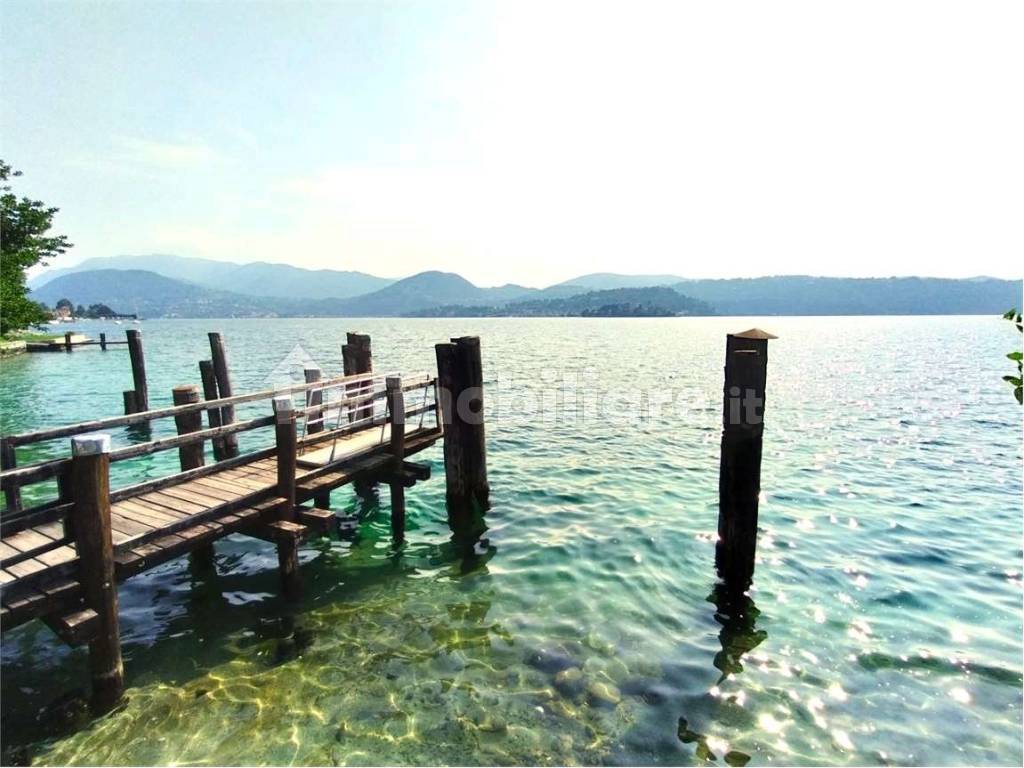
<point x="525" y="142"/>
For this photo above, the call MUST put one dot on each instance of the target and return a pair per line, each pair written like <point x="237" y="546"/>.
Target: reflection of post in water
<point x="738" y="616"/>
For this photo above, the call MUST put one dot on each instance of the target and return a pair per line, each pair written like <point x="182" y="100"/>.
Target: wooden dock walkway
<point x="60" y="560"/>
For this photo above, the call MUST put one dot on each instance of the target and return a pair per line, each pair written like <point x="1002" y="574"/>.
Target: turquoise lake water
<point x="886" y="617"/>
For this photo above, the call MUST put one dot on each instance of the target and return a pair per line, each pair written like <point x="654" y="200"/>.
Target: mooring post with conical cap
<point x="739" y="480"/>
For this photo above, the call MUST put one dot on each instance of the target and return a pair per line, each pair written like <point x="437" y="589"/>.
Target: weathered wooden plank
<point x="125" y="527"/>
<point x="27" y="540"/>
<point x="169" y="480"/>
<point x="59" y="556"/>
<point x="7" y="551"/>
<point x="165" y="499"/>
<point x="218" y="494"/>
<point x="191" y="495"/>
<point x="134" y="509"/>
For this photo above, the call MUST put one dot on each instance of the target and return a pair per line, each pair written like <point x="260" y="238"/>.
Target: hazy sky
<point x="527" y="142"/>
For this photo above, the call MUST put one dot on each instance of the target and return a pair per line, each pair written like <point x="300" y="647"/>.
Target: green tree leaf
<point x="25" y="243"/>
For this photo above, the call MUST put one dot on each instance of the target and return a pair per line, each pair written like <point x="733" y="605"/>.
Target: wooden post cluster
<point x="357" y="357"/>
<point x="396" y="416"/>
<point x="90" y="473"/>
<point x="216" y="380"/>
<point x="191" y="456"/>
<point x="213" y="415"/>
<point x="739" y="482"/>
<point x="219" y="358"/>
<point x="286" y="441"/>
<point x="460" y="390"/>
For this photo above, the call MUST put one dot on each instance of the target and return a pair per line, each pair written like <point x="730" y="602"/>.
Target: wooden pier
<point x="60" y="560"/>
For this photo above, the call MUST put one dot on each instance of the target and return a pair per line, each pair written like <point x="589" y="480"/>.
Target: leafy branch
<point x="1015" y="381"/>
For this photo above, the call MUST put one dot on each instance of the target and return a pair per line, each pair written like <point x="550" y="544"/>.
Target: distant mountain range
<point x="175" y="286"/>
<point x="257" y="278"/>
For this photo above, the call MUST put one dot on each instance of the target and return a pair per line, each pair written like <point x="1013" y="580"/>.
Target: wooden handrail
<point x="26" y="438"/>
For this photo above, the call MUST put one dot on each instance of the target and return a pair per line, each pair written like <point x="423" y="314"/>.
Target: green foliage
<point x="24" y="243"/>
<point x="1016" y="381"/>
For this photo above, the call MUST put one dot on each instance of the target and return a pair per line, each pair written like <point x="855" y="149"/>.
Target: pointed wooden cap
<point x="754" y="333"/>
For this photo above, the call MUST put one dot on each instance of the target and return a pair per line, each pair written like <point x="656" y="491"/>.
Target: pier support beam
<point x="287" y="452"/>
<point x="219" y="359"/>
<point x="396" y="415"/>
<point x="460" y="393"/>
<point x="739" y="482"/>
<point x="90" y="477"/>
<point x="191" y="456"/>
<point x="138" y="360"/>
<point x="315" y="423"/>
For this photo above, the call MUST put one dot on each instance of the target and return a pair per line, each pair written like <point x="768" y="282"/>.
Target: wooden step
<point x="75" y="628"/>
<point x="319" y="520"/>
<point x="278" y="530"/>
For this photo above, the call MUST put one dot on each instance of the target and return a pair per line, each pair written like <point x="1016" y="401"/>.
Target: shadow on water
<point x="737" y="614"/>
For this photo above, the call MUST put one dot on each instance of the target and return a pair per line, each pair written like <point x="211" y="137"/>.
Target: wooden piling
<point x="739" y="482"/>
<point x="67" y="342"/>
<point x="138" y="370"/>
<point x="103" y="342"/>
<point x="130" y="406"/>
<point x="357" y="357"/>
<point x="191" y="456"/>
<point x="209" y="379"/>
<point x="90" y="473"/>
<point x="461" y="402"/>
<point x="396" y="416"/>
<point x="314" y="423"/>
<point x="12" y="491"/>
<point x="286" y="441"/>
<point x="219" y="358"/>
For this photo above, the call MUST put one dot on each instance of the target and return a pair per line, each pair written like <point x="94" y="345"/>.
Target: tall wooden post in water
<point x="191" y="456"/>
<point x="90" y="477"/>
<point x="739" y="480"/>
<point x="140" y="400"/>
<point x="219" y="359"/>
<point x="460" y="390"/>
<point x="396" y="415"/>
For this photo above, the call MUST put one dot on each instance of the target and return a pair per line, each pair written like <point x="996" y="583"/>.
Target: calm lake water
<point x="886" y="618"/>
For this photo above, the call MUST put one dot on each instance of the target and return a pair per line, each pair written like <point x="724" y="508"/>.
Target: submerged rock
<point x="570" y="682"/>
<point x="550" y="661"/>
<point x="600" y="693"/>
